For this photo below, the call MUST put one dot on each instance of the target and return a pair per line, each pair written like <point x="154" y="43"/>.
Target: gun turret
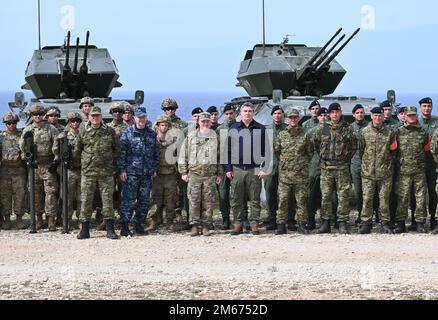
<point x="30" y="151"/>
<point x="84" y="68"/>
<point x="318" y="63"/>
<point x="318" y="54"/>
<point x="75" y="68"/>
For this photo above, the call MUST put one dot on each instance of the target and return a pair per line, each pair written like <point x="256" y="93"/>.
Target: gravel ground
<point x="177" y="266"/>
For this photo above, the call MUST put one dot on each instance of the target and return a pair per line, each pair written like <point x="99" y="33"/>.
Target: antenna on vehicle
<point x="39" y="28"/>
<point x="264" y="29"/>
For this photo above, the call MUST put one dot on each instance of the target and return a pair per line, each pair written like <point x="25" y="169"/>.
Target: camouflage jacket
<point x="118" y="128"/>
<point x="139" y="152"/>
<point x="11" y="155"/>
<point x="72" y="141"/>
<point x="335" y="143"/>
<point x="276" y="129"/>
<point x="168" y="152"/>
<point x="294" y="149"/>
<point x="310" y="123"/>
<point x="430" y="125"/>
<point x="357" y="128"/>
<point x="191" y="126"/>
<point x="59" y="127"/>
<point x="200" y="155"/>
<point x="411" y="141"/>
<point x="377" y="158"/>
<point x="392" y="123"/>
<point x="98" y="150"/>
<point x="177" y="123"/>
<point x="45" y="141"/>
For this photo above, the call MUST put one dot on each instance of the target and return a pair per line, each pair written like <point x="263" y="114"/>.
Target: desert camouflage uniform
<point x="46" y="183"/>
<point x="377" y="165"/>
<point x="98" y="150"/>
<point x="294" y="150"/>
<point x="199" y="158"/>
<point x="74" y="179"/>
<point x="336" y="145"/>
<point x="12" y="174"/>
<point x="412" y="140"/>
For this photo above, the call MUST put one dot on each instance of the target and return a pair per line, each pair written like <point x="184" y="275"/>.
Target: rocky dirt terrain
<point x="176" y="266"/>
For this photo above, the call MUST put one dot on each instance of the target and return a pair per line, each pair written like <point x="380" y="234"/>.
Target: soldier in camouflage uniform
<point x="430" y="124"/>
<point x="86" y="104"/>
<point x="356" y="163"/>
<point x="271" y="181"/>
<point x="128" y="115"/>
<point x="314" y="169"/>
<point x="169" y="106"/>
<point x="98" y="147"/>
<point x="224" y="186"/>
<point x="214" y="116"/>
<point x="413" y="143"/>
<point x="74" y="121"/>
<point x="199" y="165"/>
<point x="294" y="150"/>
<point x="52" y="115"/>
<point x="46" y="183"/>
<point x="12" y="173"/>
<point x="138" y="162"/>
<point x="434" y="150"/>
<point x="164" y="184"/>
<point x="377" y="150"/>
<point x="336" y="145"/>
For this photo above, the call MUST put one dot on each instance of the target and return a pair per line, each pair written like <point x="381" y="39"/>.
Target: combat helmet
<point x="10" y="117"/>
<point x="53" y="111"/>
<point x="117" y="105"/>
<point x="87" y="100"/>
<point x="169" y="103"/>
<point x="73" y="115"/>
<point x="163" y="119"/>
<point x="129" y="108"/>
<point x="37" y="108"/>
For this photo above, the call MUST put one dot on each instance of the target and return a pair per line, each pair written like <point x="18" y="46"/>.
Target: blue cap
<point x="141" y="112"/>
<point x="425" y="100"/>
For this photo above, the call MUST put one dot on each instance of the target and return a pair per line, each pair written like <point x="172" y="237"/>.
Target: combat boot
<point x="194" y="232"/>
<point x="255" y="230"/>
<point x="52" y="224"/>
<point x="39" y="222"/>
<point x="365" y="228"/>
<point x="412" y="226"/>
<point x="226" y="223"/>
<point x="7" y="223"/>
<point x="343" y="228"/>
<point x="281" y="229"/>
<point x="110" y="233"/>
<point x="291" y="225"/>
<point x="311" y="225"/>
<point x="386" y="228"/>
<point x="139" y="230"/>
<point x="19" y="223"/>
<point x="421" y="228"/>
<point x="205" y="231"/>
<point x="433" y="223"/>
<point x="85" y="231"/>
<point x="1" y="221"/>
<point x="124" y="231"/>
<point x="102" y="226"/>
<point x="271" y="225"/>
<point x="325" y="227"/>
<point x="435" y="231"/>
<point x="236" y="230"/>
<point x="400" y="227"/>
<point x="302" y="228"/>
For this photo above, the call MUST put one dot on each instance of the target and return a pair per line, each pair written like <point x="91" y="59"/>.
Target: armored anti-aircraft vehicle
<point x="293" y="75"/>
<point x="62" y="75"/>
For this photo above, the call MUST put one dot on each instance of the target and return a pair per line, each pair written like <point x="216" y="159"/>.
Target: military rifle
<point x="30" y="152"/>
<point x="65" y="159"/>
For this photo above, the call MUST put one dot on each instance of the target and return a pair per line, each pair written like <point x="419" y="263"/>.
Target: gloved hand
<point x="53" y="167"/>
<point x="28" y="135"/>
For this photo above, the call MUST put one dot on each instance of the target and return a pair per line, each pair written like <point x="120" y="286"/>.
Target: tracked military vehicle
<point x="294" y="75"/>
<point x="62" y="75"/>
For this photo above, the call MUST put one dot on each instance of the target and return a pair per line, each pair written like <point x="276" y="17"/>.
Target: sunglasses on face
<point x="117" y="111"/>
<point x="75" y="121"/>
<point x="37" y="114"/>
<point x="10" y="123"/>
<point x="169" y="109"/>
<point x="53" y="116"/>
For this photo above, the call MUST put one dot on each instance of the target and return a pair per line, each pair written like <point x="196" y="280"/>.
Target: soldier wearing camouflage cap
<point x="86" y="104"/>
<point x="199" y="166"/>
<point x="12" y="173"/>
<point x="294" y="150"/>
<point x="413" y="144"/>
<point x="46" y="183"/>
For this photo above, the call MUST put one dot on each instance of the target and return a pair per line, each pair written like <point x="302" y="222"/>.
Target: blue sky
<point x="197" y="45"/>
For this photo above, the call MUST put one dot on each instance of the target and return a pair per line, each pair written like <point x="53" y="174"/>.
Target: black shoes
<point x="400" y="227"/>
<point x="281" y="229"/>
<point x="124" y="231"/>
<point x="386" y="229"/>
<point x="85" y="231"/>
<point x="325" y="227"/>
<point x="110" y="233"/>
<point x="343" y="228"/>
<point x="365" y="228"/>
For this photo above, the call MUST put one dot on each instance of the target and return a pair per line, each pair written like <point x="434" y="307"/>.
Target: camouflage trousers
<point x="314" y="199"/>
<point x="136" y="189"/>
<point x="271" y="189"/>
<point x="201" y="192"/>
<point x="163" y="198"/>
<point x="106" y="190"/>
<point x="285" y="193"/>
<point x="245" y="186"/>
<point x="74" y="192"/>
<point x="432" y="199"/>
<point x="370" y="189"/>
<point x="46" y="191"/>
<point x="335" y="180"/>
<point x="224" y="197"/>
<point x="407" y="185"/>
<point x="13" y="183"/>
<point x="357" y="185"/>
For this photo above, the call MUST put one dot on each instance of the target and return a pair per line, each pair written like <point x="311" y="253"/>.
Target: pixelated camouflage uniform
<point x="200" y="160"/>
<point x="13" y="177"/>
<point x="411" y="141"/>
<point x="294" y="150"/>
<point x="377" y="166"/>
<point x="98" y="150"/>
<point x="46" y="183"/>
<point x="74" y="178"/>
<point x="336" y="145"/>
